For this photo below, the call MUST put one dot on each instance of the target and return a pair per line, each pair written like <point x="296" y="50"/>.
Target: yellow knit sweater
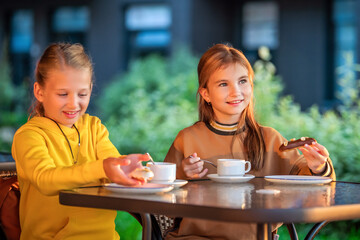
<point x="45" y="166"/>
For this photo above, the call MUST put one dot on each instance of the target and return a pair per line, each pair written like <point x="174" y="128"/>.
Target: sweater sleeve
<point x="40" y="162"/>
<point x="104" y="147"/>
<point x="176" y="155"/>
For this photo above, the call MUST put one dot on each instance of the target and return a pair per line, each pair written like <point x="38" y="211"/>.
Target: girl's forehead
<point x="234" y="65"/>
<point x="68" y="77"/>
<point x="232" y="68"/>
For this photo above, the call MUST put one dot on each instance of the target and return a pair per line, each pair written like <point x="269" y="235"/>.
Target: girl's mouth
<point x="71" y="114"/>
<point x="235" y="102"/>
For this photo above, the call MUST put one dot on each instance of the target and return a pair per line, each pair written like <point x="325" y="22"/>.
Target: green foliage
<point x="145" y="108"/>
<point x="127" y="226"/>
<point x="338" y="130"/>
<point x="13" y="100"/>
<point x="347" y="230"/>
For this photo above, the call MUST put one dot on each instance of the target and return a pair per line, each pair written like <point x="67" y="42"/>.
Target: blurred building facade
<point x="307" y="38"/>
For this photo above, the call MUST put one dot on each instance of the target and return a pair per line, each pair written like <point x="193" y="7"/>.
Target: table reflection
<point x="238" y="195"/>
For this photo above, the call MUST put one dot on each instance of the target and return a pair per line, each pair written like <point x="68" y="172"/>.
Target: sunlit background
<point x="145" y="55"/>
<point x="307" y="38"/>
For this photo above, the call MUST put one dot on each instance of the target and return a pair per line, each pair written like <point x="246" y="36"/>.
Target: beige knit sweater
<point x="211" y="144"/>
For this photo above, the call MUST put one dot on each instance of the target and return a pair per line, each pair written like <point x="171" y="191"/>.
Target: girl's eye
<point x="243" y="81"/>
<point x="222" y="85"/>
<point x="62" y="94"/>
<point x="83" y="94"/>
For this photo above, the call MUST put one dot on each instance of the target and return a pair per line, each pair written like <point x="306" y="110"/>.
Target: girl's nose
<point x="73" y="101"/>
<point x="235" y="90"/>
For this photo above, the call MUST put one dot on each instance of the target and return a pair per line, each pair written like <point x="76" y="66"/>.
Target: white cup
<point x="163" y="171"/>
<point x="232" y="167"/>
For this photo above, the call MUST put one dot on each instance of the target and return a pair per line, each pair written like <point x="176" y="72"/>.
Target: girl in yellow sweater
<point x="227" y="129"/>
<point x="62" y="147"/>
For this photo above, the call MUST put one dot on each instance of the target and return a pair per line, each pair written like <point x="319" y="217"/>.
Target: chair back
<point x="9" y="199"/>
<point x="7" y="165"/>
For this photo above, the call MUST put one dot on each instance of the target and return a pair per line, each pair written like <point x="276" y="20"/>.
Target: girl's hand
<point x="118" y="169"/>
<point x="193" y="167"/>
<point x="316" y="156"/>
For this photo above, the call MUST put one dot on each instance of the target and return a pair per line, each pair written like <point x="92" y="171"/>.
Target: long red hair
<point x="219" y="56"/>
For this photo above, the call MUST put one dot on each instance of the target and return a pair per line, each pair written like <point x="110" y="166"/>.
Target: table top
<point x="235" y="202"/>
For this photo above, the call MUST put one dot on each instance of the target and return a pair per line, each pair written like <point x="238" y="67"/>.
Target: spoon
<point x="211" y="163"/>
<point x="207" y="161"/>
<point x="151" y="159"/>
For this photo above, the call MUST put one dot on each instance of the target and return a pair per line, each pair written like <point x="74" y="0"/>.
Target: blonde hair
<point x="57" y="56"/>
<point x="220" y="56"/>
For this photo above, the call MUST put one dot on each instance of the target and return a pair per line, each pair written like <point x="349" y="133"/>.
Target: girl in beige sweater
<point x="227" y="129"/>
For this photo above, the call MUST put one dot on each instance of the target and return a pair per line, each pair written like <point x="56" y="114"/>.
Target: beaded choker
<point x="67" y="140"/>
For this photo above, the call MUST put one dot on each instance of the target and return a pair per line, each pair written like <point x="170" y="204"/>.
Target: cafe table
<point x="257" y="201"/>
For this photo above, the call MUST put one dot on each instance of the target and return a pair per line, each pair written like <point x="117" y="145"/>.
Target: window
<point x="345" y="52"/>
<point x="260" y="25"/>
<point x="147" y="29"/>
<point x="21" y="40"/>
<point x="70" y="24"/>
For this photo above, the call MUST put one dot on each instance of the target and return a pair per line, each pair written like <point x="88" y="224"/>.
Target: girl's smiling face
<point x="229" y="91"/>
<point x="66" y="94"/>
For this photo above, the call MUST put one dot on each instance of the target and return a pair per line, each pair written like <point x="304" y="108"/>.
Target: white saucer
<point x="143" y="189"/>
<point x="230" y="179"/>
<point x="298" y="179"/>
<point x="177" y="183"/>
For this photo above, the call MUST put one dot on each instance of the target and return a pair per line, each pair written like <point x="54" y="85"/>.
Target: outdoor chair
<point x="9" y="198"/>
<point x="162" y="224"/>
<point x="7" y="165"/>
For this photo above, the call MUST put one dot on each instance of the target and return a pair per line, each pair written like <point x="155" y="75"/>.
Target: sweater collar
<point x="223" y="129"/>
<point x="46" y="123"/>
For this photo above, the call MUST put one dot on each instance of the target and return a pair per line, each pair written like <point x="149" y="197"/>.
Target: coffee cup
<point x="232" y="167"/>
<point x="163" y="172"/>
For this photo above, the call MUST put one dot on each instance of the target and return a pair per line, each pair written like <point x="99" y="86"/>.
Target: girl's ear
<point x="38" y="92"/>
<point x="204" y="93"/>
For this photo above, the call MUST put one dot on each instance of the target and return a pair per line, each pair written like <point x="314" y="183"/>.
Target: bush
<point x="13" y="100"/>
<point x="127" y="226"/>
<point x="338" y="130"/>
<point x="145" y="108"/>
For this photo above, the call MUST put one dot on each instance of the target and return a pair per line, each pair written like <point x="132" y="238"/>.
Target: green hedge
<point x="338" y="130"/>
<point x="145" y="108"/>
<point x="14" y="103"/>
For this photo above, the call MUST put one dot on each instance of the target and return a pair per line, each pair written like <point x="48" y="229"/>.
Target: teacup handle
<point x="248" y="166"/>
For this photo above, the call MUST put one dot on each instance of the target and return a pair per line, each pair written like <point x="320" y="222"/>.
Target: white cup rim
<point x="160" y="163"/>
<point x="231" y="159"/>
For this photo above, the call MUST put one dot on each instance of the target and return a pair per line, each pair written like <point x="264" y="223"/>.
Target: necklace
<point x="67" y="140"/>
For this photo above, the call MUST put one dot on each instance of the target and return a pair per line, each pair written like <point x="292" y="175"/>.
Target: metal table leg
<point x="292" y="231"/>
<point x="146" y="224"/>
<point x="315" y="230"/>
<point x="264" y="231"/>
